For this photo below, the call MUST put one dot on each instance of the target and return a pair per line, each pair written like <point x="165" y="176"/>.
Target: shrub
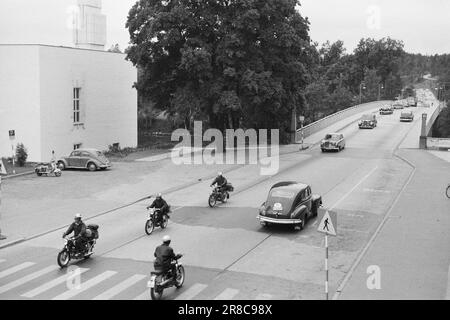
<point x="21" y="154"/>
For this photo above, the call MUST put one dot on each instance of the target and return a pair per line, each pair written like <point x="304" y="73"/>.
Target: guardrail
<point x="335" y="117"/>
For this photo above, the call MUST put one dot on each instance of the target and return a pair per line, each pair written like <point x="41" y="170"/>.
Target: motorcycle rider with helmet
<point x="221" y="182"/>
<point x="79" y="229"/>
<point x="164" y="256"/>
<point x="161" y="204"/>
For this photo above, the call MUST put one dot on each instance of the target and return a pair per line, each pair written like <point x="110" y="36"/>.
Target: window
<point x="76" y="105"/>
<point x="77" y="146"/>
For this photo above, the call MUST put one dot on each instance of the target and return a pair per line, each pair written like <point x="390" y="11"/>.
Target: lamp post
<point x="361" y="87"/>
<point x="380" y="87"/>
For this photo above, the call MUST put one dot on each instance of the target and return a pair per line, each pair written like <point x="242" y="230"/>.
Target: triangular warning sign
<point x="326" y="225"/>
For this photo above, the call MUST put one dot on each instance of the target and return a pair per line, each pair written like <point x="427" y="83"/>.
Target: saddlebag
<point x="94" y="230"/>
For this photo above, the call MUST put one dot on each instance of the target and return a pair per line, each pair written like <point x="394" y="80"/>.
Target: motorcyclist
<point x="79" y="229"/>
<point x="221" y="182"/>
<point x="161" y="204"/>
<point x="53" y="162"/>
<point x="164" y="256"/>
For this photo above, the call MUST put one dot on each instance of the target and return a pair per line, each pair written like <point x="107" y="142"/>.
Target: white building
<point x="61" y="98"/>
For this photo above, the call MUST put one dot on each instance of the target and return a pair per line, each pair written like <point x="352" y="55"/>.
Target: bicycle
<point x="447" y="191"/>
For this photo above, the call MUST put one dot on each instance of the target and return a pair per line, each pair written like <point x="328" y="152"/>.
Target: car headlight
<point x="262" y="211"/>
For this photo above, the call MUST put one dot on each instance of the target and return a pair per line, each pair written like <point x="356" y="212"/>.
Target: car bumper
<point x="406" y="120"/>
<point x="104" y="166"/>
<point x="263" y="219"/>
<point x="386" y="112"/>
<point x="366" y="126"/>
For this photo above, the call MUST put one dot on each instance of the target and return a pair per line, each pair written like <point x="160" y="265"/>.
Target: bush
<point x="21" y="154"/>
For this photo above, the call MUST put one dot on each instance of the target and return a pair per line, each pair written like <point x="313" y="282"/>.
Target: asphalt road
<point x="227" y="254"/>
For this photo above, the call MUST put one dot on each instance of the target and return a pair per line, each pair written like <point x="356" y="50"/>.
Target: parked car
<point x="407" y="116"/>
<point x="333" y="141"/>
<point x="387" y="109"/>
<point x="289" y="203"/>
<point x="368" y="120"/>
<point x="91" y="159"/>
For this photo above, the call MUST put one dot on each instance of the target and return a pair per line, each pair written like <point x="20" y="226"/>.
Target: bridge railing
<point x="335" y="117"/>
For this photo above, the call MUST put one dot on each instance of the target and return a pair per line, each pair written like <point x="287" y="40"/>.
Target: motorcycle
<point x="70" y="251"/>
<point x="160" y="280"/>
<point x="47" y="169"/>
<point x="218" y="195"/>
<point x="152" y="222"/>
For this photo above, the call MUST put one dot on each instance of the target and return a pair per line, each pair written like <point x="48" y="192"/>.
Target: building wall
<point x="19" y="99"/>
<point x="108" y="101"/>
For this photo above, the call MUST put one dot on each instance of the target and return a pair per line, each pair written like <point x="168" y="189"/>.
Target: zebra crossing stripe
<point x="144" y="295"/>
<point x="51" y="284"/>
<point x="191" y="292"/>
<point x="27" y="278"/>
<point x="17" y="268"/>
<point x="85" y="286"/>
<point x="264" y="296"/>
<point x="227" y="294"/>
<point x="120" y="287"/>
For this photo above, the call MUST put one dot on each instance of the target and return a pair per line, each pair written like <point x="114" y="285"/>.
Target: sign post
<point x="302" y="120"/>
<point x="327" y="225"/>
<point x="12" y="136"/>
<point x="2" y="237"/>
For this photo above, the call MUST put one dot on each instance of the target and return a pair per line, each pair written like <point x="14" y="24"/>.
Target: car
<point x="412" y="102"/>
<point x="91" y="159"/>
<point x="407" y="116"/>
<point x="368" y="120"/>
<point x="387" y="109"/>
<point x="333" y="141"/>
<point x="397" y="105"/>
<point x="289" y="203"/>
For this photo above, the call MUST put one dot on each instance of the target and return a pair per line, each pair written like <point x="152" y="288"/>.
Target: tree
<point x="237" y="62"/>
<point x="21" y="154"/>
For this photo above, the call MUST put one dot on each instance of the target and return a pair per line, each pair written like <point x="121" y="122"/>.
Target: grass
<point x="29" y="166"/>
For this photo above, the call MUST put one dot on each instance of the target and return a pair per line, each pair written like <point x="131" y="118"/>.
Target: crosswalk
<point x="29" y="280"/>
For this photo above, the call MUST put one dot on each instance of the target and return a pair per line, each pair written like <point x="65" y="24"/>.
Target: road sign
<point x="328" y="222"/>
<point x="301" y="118"/>
<point x="12" y="134"/>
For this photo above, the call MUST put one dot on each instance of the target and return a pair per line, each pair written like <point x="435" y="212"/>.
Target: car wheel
<point x="61" y="165"/>
<point x="323" y="150"/>
<point x="92" y="166"/>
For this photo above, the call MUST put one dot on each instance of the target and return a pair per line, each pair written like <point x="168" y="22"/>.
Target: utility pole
<point x="293" y="125"/>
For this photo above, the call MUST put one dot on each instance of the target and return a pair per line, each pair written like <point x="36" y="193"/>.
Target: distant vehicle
<point x="397" y="105"/>
<point x="333" y="141"/>
<point x="407" y="116"/>
<point x="368" y="120"/>
<point x="387" y="109"/>
<point x="46" y="169"/>
<point x="289" y="203"/>
<point x="91" y="159"/>
<point x="412" y="102"/>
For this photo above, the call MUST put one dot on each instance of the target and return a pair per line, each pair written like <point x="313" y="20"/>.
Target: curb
<point x="11" y="243"/>
<point x="6" y="177"/>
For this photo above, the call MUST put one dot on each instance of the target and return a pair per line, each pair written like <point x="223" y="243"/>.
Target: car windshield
<point x="332" y="137"/>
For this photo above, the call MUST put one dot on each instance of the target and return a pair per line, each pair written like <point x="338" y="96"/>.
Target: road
<point x="227" y="254"/>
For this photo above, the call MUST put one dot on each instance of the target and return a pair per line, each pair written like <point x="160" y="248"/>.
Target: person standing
<point x="2" y="237"/>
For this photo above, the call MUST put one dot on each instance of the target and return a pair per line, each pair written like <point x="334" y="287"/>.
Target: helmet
<point x="78" y="216"/>
<point x="158" y="196"/>
<point x="220" y="173"/>
<point x="166" y="239"/>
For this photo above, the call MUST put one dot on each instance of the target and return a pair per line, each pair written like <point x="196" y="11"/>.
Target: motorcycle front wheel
<point x="58" y="174"/>
<point x="149" y="227"/>
<point x="180" y="277"/>
<point x="212" y="201"/>
<point x="156" y="294"/>
<point x="63" y="258"/>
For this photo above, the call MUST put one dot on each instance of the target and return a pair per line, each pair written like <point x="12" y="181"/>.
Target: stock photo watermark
<point x="257" y="150"/>
<point x="373" y="282"/>
<point x="373" y="21"/>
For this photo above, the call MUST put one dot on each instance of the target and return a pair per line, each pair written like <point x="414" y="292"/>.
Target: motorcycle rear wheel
<point x="212" y="201"/>
<point x="63" y="258"/>
<point x="149" y="227"/>
<point x="165" y="221"/>
<point x="156" y="294"/>
<point x="58" y="174"/>
<point x="180" y="277"/>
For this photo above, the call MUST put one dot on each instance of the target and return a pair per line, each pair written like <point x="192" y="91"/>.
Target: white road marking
<point x="85" y="286"/>
<point x="376" y="190"/>
<point x="191" y="292"/>
<point x="12" y="270"/>
<point x="353" y="189"/>
<point x="354" y="215"/>
<point x="27" y="278"/>
<point x="227" y="294"/>
<point x="120" y="287"/>
<point x="51" y="284"/>
<point x="264" y="296"/>
<point x="353" y="230"/>
<point x="144" y="295"/>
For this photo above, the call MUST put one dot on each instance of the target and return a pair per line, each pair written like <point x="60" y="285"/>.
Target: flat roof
<point x="53" y="46"/>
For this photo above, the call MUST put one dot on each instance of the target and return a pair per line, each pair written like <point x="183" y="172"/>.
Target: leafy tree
<point x="21" y="154"/>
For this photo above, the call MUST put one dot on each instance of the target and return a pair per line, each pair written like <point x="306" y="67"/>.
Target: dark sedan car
<point x="289" y="203"/>
<point x="91" y="159"/>
<point x="368" y="121"/>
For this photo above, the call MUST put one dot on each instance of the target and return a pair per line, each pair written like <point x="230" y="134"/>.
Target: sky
<point x="423" y="25"/>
